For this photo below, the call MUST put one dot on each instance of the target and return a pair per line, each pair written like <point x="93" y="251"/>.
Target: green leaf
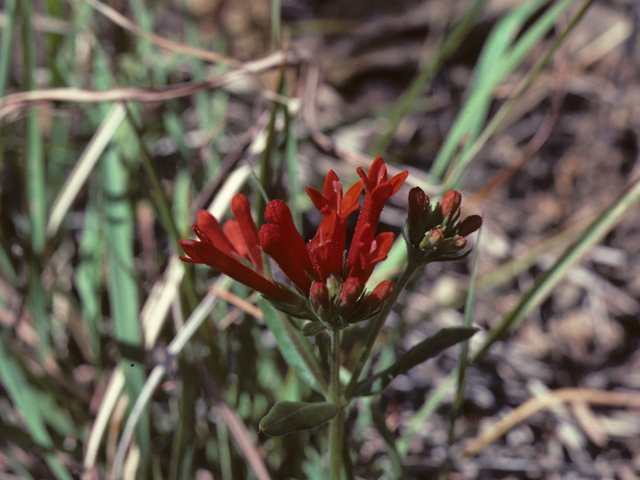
<point x="289" y="417"/>
<point x="425" y="350"/>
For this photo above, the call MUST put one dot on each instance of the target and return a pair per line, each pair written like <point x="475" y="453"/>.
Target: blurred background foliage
<point x="119" y="120"/>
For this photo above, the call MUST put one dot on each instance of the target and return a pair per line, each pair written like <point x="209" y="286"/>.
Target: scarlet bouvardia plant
<point x="328" y="287"/>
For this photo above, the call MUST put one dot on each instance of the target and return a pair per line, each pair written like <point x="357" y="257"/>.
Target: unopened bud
<point x="417" y="201"/>
<point x="379" y="295"/>
<point x="450" y="203"/>
<point x="435" y="237"/>
<point x="460" y="243"/>
<point x="469" y="225"/>
<point x="319" y="294"/>
<point x="351" y="290"/>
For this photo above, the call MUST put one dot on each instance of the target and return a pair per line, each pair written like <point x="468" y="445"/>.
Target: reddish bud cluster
<point x="434" y="232"/>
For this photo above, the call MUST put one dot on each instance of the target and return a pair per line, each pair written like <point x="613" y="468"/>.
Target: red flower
<point x="317" y="269"/>
<point x="328" y="243"/>
<point x="378" y="191"/>
<point x="220" y="249"/>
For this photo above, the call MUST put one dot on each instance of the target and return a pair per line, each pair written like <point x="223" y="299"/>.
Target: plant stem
<point x="378" y="322"/>
<point x="336" y="427"/>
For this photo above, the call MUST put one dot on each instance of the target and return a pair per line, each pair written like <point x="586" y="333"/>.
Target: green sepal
<point x="425" y="350"/>
<point x="288" y="417"/>
<point x="310" y="328"/>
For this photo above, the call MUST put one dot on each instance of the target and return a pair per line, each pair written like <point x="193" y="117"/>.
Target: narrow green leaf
<point x="425" y="350"/>
<point x="296" y="349"/>
<point x="289" y="417"/>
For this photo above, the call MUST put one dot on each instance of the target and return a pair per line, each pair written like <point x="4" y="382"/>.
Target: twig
<point x="545" y="402"/>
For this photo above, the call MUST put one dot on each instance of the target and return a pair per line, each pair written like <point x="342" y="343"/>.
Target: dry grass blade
<point x="233" y="299"/>
<point x="83" y="166"/>
<point x="235" y="426"/>
<point x="107" y="405"/>
<point x="18" y="101"/>
<point x="545" y="402"/>
<point x="127" y="24"/>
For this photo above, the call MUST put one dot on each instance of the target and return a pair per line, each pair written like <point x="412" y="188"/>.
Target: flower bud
<point x="379" y="295"/>
<point x="460" y="243"/>
<point x="450" y="203"/>
<point x="469" y="225"/>
<point x="351" y="290"/>
<point x="435" y="237"/>
<point x="319" y="294"/>
<point x="417" y="202"/>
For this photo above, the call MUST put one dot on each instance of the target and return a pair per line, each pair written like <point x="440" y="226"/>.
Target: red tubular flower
<point x="328" y="244"/>
<point x="275" y="244"/>
<point x="217" y="251"/>
<point x="278" y="213"/>
<point x="211" y="228"/>
<point x="377" y="191"/>
<point x="377" y="251"/>
<point x="333" y="289"/>
<point x="242" y="211"/>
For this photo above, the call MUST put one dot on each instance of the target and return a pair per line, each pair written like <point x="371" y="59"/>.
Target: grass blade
<point x="497" y="60"/>
<point x="418" y="86"/>
<point x="550" y="278"/>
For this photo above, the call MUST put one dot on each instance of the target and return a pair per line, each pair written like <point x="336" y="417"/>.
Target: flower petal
<point x="278" y="213"/>
<point x="242" y="211"/>
<point x="212" y="256"/>
<point x="276" y="246"/>
<point x="211" y="228"/>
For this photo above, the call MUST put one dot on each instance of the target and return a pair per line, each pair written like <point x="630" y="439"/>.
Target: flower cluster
<point x="328" y="287"/>
<point x="434" y="232"/>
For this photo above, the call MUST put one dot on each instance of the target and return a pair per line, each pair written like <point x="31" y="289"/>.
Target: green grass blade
<point x="389" y="442"/>
<point x="34" y="151"/>
<point x="5" y="43"/>
<point x="295" y="348"/>
<point x="474" y="147"/>
<point x="291" y="163"/>
<point x="276" y="34"/>
<point x="122" y="285"/>
<point x="463" y="361"/>
<point x="418" y="86"/>
<point x="497" y="60"/>
<point x="27" y="401"/>
<point x="550" y="278"/>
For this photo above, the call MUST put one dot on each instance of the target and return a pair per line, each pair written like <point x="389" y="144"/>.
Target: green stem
<point x="378" y="322"/>
<point x="336" y="427"/>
